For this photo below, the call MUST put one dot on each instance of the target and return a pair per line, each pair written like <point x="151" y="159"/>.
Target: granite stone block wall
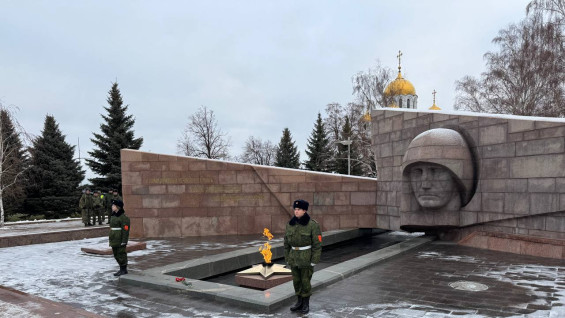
<point x="520" y="164"/>
<point x="176" y="196"/>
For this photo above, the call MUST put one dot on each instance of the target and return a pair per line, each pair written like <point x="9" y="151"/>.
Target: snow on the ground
<point x="8" y="310"/>
<point x="42" y="221"/>
<point x="62" y="272"/>
<point x="409" y="234"/>
<point x="543" y="282"/>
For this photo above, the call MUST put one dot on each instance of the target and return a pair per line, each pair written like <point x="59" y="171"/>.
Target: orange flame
<point x="267" y="233"/>
<point x="265" y="249"/>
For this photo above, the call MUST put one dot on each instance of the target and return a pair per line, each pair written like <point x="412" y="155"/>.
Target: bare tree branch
<point x="203" y="138"/>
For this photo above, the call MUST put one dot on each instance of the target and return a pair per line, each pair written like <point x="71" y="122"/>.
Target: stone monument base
<point x="259" y="282"/>
<point x="104" y="249"/>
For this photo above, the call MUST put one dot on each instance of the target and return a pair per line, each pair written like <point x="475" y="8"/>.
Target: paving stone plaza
<point x="62" y="281"/>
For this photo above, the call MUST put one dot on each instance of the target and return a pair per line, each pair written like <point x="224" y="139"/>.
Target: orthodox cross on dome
<point x="434" y="93"/>
<point x="399" y="56"/>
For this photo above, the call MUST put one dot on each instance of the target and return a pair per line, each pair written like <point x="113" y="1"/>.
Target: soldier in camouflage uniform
<point x="85" y="205"/>
<point x="119" y="235"/>
<point x="98" y="208"/>
<point x="116" y="196"/>
<point x="302" y="250"/>
<point x="107" y="198"/>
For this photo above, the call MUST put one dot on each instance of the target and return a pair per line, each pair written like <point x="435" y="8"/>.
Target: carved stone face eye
<point x="416" y="172"/>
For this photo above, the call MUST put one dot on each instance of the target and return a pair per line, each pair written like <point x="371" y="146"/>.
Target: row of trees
<point x="202" y="137"/>
<point x="43" y="178"/>
<point x="525" y="76"/>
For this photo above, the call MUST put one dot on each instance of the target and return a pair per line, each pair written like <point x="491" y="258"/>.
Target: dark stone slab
<point x="104" y="249"/>
<point x="162" y="278"/>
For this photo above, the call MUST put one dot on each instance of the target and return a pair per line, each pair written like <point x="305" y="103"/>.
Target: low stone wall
<point x="175" y="196"/>
<point x="52" y="236"/>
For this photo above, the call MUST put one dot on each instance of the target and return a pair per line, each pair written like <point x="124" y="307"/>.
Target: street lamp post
<point x="348" y="143"/>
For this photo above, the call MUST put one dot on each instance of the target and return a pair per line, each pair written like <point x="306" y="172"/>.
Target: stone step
<point x="104" y="249"/>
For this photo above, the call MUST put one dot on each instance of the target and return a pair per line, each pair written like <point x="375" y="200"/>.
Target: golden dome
<point x="400" y="86"/>
<point x="434" y="107"/>
<point x="367" y="117"/>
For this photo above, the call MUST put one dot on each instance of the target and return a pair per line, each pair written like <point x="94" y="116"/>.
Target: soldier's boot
<point x="119" y="272"/>
<point x="305" y="305"/>
<point x="298" y="305"/>
<point x="123" y="270"/>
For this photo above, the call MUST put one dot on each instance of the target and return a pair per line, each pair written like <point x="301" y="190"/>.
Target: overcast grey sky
<point x="260" y="66"/>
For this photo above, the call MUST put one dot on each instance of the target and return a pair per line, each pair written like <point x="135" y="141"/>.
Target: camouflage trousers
<point x="86" y="215"/>
<point x="120" y="255"/>
<point x="98" y="217"/>
<point x="301" y="277"/>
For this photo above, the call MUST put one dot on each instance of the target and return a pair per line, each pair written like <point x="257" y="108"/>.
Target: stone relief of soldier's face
<point x="432" y="185"/>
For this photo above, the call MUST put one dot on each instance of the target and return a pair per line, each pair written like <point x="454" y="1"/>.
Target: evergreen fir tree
<point x="319" y="149"/>
<point x="287" y="153"/>
<point x="54" y="174"/>
<point x="117" y="134"/>
<point x="341" y="158"/>
<point x="14" y="163"/>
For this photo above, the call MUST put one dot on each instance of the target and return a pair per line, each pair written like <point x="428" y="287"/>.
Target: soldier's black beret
<point x="118" y="203"/>
<point x="301" y="204"/>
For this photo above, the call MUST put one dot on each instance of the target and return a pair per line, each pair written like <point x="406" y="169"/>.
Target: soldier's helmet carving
<point x="447" y="148"/>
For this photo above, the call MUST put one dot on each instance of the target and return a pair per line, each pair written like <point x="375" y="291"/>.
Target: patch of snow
<point x="61" y="272"/>
<point x="8" y="310"/>
<point x="402" y="233"/>
<point x="545" y="283"/>
<point x="454" y="258"/>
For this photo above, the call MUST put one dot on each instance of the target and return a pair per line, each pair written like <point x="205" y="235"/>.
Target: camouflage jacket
<point x="85" y="202"/>
<point x="119" y="228"/>
<point x="300" y="233"/>
<point x="107" y="199"/>
<point x="97" y="203"/>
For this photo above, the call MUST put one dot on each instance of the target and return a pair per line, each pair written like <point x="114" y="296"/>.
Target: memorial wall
<point x="175" y="196"/>
<point x="487" y="181"/>
<point x="491" y="181"/>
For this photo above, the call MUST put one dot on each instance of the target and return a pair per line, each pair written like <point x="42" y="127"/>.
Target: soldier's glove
<point x="124" y="244"/>
<point x="312" y="264"/>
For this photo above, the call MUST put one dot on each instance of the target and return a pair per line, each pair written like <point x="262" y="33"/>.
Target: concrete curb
<point x="162" y="278"/>
<point x="50" y="237"/>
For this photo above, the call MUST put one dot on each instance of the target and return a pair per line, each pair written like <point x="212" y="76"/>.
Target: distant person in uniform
<point x="98" y="208"/>
<point x="116" y="195"/>
<point x="107" y="204"/>
<point x="119" y="235"/>
<point x="302" y="250"/>
<point x="85" y="205"/>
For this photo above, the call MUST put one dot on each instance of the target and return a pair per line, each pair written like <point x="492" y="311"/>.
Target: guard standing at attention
<point x="119" y="235"/>
<point x="302" y="250"/>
